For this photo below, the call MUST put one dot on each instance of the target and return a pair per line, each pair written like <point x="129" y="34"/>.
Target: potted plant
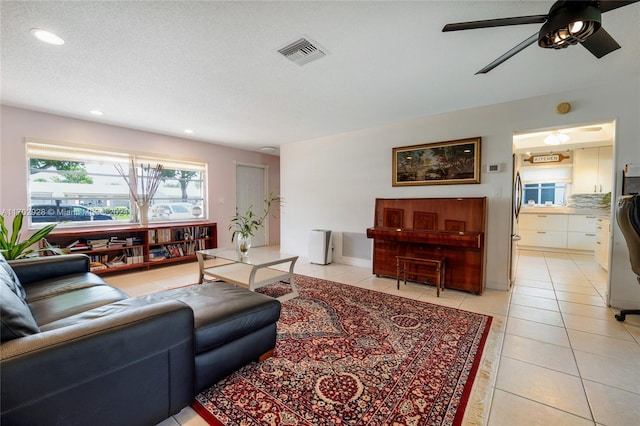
<point x="245" y="225"/>
<point x="11" y="247"/>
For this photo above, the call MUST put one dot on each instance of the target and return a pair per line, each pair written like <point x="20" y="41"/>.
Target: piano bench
<point x="435" y="268"/>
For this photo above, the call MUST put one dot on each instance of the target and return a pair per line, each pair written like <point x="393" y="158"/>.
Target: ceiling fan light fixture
<point x="47" y="36"/>
<point x="576" y="27"/>
<point x="569" y="24"/>
<point x="556" y="138"/>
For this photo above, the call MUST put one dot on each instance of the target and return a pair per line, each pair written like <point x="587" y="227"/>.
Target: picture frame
<point x="439" y="163"/>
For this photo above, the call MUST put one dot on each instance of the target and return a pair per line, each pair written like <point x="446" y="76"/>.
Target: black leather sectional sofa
<point x="76" y="351"/>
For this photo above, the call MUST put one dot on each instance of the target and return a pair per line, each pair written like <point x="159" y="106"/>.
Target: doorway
<point x="251" y="187"/>
<point x="564" y="171"/>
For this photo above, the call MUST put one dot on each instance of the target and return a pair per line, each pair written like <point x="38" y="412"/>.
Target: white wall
<point x="332" y="182"/>
<point x="20" y="123"/>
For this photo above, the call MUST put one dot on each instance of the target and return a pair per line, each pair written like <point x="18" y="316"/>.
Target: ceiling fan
<point x="568" y="22"/>
<point x="560" y="136"/>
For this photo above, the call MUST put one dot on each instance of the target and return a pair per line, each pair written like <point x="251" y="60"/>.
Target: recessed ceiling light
<point x="96" y="112"/>
<point x="188" y="131"/>
<point x="47" y="36"/>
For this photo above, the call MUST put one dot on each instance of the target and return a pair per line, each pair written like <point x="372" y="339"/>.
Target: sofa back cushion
<point x="17" y="320"/>
<point x="12" y="279"/>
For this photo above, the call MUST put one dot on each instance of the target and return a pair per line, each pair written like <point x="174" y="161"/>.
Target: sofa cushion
<point x="62" y="305"/>
<point x="222" y="312"/>
<point x="64" y="284"/>
<point x="12" y="279"/>
<point x="17" y="320"/>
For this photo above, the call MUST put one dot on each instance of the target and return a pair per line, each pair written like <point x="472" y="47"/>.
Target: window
<point x="543" y="193"/>
<point x="78" y="185"/>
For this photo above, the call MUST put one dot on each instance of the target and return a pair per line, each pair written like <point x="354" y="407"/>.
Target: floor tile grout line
<point x="501" y="348"/>
<point x="501" y="355"/>
<point x="575" y="359"/>
<point x="549" y="406"/>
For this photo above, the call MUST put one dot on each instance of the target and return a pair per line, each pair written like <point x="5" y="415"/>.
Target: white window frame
<point x="62" y="151"/>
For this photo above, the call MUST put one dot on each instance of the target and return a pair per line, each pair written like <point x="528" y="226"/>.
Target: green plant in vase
<point x="245" y="225"/>
<point x="10" y="244"/>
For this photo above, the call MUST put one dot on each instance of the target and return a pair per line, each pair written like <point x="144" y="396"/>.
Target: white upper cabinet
<point x="592" y="169"/>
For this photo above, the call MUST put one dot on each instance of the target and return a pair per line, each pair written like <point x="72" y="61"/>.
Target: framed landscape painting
<point x="440" y="163"/>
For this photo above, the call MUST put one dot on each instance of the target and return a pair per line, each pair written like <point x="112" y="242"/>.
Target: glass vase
<point x="244" y="244"/>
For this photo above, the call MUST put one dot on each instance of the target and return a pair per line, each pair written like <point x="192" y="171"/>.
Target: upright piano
<point x="432" y="228"/>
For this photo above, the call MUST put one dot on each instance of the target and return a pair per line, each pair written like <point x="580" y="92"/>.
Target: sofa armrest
<point x="34" y="269"/>
<point x="133" y="367"/>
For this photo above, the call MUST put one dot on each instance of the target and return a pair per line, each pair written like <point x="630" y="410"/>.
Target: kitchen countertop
<point x="563" y="210"/>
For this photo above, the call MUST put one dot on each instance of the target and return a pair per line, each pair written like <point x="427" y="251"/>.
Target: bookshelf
<point x="119" y="248"/>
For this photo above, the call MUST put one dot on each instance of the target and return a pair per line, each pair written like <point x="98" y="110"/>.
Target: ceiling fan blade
<point x="600" y="43"/>
<point x="490" y="23"/>
<point x="528" y="42"/>
<point x="608" y="5"/>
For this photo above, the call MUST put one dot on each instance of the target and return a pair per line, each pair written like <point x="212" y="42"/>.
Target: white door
<point x="250" y="194"/>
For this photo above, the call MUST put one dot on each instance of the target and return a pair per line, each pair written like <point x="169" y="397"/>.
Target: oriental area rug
<point x="352" y="356"/>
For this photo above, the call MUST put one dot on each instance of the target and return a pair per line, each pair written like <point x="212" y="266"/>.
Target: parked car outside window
<point x="63" y="213"/>
<point x="171" y="211"/>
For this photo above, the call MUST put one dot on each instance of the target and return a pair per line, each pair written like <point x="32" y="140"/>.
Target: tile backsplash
<point x="587" y="201"/>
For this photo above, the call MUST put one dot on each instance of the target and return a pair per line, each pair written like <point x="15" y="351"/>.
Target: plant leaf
<point x="17" y="224"/>
<point x="12" y="247"/>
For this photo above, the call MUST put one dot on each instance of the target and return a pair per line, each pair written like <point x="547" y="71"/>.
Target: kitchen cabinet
<point x="564" y="231"/>
<point x="581" y="232"/>
<point x="603" y="238"/>
<point x="592" y="170"/>
<point x="543" y="230"/>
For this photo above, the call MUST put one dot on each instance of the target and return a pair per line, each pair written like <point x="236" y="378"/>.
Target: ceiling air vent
<point x="302" y="52"/>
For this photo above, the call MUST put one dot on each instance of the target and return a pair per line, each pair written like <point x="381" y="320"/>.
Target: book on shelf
<point x="117" y="261"/>
<point x="99" y="243"/>
<point x="133" y="241"/>
<point x="187" y="233"/>
<point x="178" y="250"/>
<point x="116" y="242"/>
<point x="134" y="255"/>
<point x="80" y="247"/>
<point x="96" y="266"/>
<point x="73" y="244"/>
<point x="158" y="253"/>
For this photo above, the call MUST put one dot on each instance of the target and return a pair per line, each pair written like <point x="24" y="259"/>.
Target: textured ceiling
<point x="214" y="67"/>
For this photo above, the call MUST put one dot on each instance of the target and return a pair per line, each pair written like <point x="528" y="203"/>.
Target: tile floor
<point x="561" y="357"/>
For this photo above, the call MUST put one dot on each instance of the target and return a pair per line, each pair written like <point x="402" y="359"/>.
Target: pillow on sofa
<point x="13" y="281"/>
<point x="17" y="320"/>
